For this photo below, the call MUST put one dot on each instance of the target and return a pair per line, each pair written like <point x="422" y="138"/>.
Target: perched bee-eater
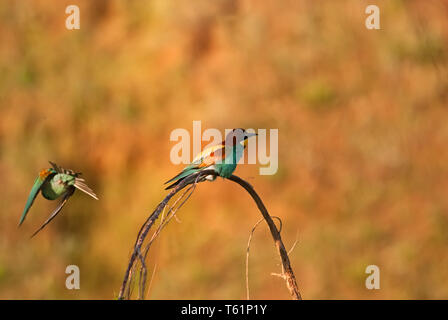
<point x="54" y="183"/>
<point x="223" y="158"/>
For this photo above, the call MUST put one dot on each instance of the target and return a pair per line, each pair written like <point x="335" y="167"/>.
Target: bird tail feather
<point x="183" y="174"/>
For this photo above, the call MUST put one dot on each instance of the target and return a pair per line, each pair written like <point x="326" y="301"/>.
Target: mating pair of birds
<point x="57" y="182"/>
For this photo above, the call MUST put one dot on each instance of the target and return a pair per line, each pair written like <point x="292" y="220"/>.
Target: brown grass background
<point x="363" y="158"/>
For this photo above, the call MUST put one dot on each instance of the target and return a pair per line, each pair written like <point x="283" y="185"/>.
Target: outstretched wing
<point x="81" y="185"/>
<point x="67" y="195"/>
<point x="56" y="167"/>
<point x="59" y="169"/>
<point x="43" y="176"/>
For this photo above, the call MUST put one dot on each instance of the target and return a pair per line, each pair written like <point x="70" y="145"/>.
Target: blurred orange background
<point x="363" y="161"/>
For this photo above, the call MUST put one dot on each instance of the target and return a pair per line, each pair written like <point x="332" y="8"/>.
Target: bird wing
<point x="67" y="195"/>
<point x="207" y="153"/>
<point x="81" y="185"/>
<point x="211" y="156"/>
<point x="205" y="159"/>
<point x="43" y="176"/>
<point x="59" y="169"/>
<point x="56" y="167"/>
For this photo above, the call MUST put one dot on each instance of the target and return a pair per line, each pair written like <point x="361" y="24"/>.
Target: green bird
<point x="223" y="158"/>
<point x="54" y="183"/>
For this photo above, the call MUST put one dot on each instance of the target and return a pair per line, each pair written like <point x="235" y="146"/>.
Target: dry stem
<point x="125" y="290"/>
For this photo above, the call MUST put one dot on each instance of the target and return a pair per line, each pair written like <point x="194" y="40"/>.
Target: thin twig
<point x="171" y="213"/>
<point x="293" y="245"/>
<point x="152" y="278"/>
<point x="248" y="249"/>
<point x="291" y="281"/>
<point x="125" y="290"/>
<point x="247" y="256"/>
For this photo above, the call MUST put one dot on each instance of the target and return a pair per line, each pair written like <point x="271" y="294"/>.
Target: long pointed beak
<point x="251" y="134"/>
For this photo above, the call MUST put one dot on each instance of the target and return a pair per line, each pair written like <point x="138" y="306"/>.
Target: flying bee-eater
<point x="223" y="158"/>
<point x="54" y="183"/>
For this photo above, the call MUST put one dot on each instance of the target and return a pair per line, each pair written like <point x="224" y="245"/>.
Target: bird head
<point x="238" y="136"/>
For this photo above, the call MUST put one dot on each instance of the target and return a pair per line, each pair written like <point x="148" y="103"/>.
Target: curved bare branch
<point x="288" y="275"/>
